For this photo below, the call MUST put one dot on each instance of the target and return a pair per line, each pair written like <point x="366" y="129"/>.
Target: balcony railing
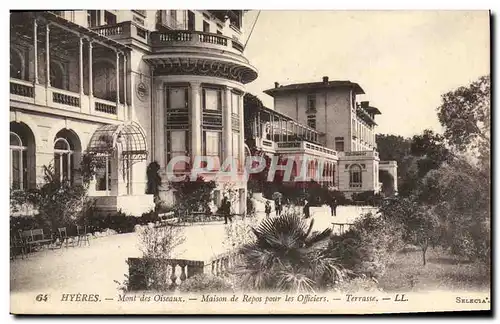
<point x="66" y="98"/>
<point x="105" y="106"/>
<point x="361" y="153"/>
<point x="187" y="37"/>
<point x="306" y="147"/>
<point x="39" y="94"/>
<point x="21" y="88"/>
<point x="126" y="29"/>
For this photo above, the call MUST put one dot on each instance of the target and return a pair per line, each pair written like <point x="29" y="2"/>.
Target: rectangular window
<point x="109" y="18"/>
<point x="339" y="144"/>
<point x="103" y="174"/>
<point x="191" y="21"/>
<point x="211" y="99"/>
<point x="212" y="145"/>
<point x="177" y="98"/>
<point x="235" y="103"/>
<point x="93" y="18"/>
<point x="311" y="102"/>
<point x="311" y="121"/>
<point x="219" y="32"/>
<point x="177" y="144"/>
<point x="206" y="27"/>
<point x="236" y="147"/>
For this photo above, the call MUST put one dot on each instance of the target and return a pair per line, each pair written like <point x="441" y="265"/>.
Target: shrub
<point x="205" y="283"/>
<point x="366" y="247"/>
<point x="158" y="242"/>
<point x="287" y="256"/>
<point x="59" y="203"/>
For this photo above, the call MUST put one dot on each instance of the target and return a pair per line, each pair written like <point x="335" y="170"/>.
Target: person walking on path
<point x="226" y="209"/>
<point x="333" y="206"/>
<point x="267" y="208"/>
<point x="278" y="206"/>
<point x="307" y="212"/>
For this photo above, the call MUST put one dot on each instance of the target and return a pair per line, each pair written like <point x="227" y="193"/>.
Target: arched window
<point x="63" y="159"/>
<point x="57" y="76"/>
<point x="16" y="65"/>
<point x="18" y="161"/>
<point x="104" y="80"/>
<point x="355" y="179"/>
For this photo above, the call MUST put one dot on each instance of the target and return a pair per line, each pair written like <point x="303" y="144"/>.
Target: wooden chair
<point x="35" y="238"/>
<point x="63" y="237"/>
<point x="81" y="232"/>
<point x="17" y="246"/>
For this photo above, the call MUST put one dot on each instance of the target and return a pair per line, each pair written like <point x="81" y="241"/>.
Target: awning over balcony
<point x="129" y="138"/>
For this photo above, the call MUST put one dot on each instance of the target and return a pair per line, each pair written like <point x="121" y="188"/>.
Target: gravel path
<point x="95" y="267"/>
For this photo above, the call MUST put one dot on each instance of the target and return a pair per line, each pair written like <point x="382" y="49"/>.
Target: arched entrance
<point x="22" y="156"/>
<point x="67" y="155"/>
<point x="116" y="148"/>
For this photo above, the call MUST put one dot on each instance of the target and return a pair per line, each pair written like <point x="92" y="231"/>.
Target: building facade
<point x="127" y="88"/>
<point x="323" y="124"/>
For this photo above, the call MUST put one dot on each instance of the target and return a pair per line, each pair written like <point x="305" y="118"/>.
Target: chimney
<point x="365" y="104"/>
<point x="276" y="84"/>
<point x="325" y="80"/>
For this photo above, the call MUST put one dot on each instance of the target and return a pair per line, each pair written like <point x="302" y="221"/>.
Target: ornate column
<point x="35" y="48"/>
<point x="117" y="80"/>
<point x="125" y="105"/>
<point x="47" y="56"/>
<point x="81" y="68"/>
<point x="241" y="111"/>
<point x="195" y="119"/>
<point x="227" y="142"/>
<point x="91" y="86"/>
<point x="280" y="128"/>
<point x="259" y="125"/>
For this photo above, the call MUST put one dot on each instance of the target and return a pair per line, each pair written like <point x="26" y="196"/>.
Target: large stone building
<point x="129" y="87"/>
<point x="327" y="132"/>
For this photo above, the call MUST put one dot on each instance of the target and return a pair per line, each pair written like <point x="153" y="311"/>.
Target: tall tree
<point x="465" y="116"/>
<point x="392" y="147"/>
<point x="431" y="150"/>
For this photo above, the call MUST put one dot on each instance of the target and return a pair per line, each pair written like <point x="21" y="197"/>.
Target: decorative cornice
<point x="205" y="67"/>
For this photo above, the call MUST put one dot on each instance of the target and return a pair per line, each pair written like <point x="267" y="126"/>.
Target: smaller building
<point x="324" y="124"/>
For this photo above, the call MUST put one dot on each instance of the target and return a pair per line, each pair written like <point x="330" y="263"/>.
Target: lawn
<point x="442" y="272"/>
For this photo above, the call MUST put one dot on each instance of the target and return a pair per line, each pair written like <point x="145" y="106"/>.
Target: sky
<point x="404" y="60"/>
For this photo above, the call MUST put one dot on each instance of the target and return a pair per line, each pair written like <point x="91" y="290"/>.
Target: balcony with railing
<point x="56" y="74"/>
<point x="359" y="155"/>
<point x="124" y="31"/>
<point x="182" y="38"/>
<point x="305" y="147"/>
<point x="27" y="92"/>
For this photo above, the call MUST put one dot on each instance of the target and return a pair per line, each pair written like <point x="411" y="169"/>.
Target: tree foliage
<point x="393" y="147"/>
<point x="192" y="195"/>
<point x="418" y="222"/>
<point x="460" y="192"/>
<point x="59" y="203"/>
<point x="153" y="179"/>
<point x="465" y="116"/>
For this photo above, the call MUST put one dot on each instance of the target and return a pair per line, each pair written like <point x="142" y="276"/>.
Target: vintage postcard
<point x="249" y="162"/>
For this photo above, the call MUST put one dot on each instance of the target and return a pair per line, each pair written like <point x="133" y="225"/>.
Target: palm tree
<point x="288" y="256"/>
